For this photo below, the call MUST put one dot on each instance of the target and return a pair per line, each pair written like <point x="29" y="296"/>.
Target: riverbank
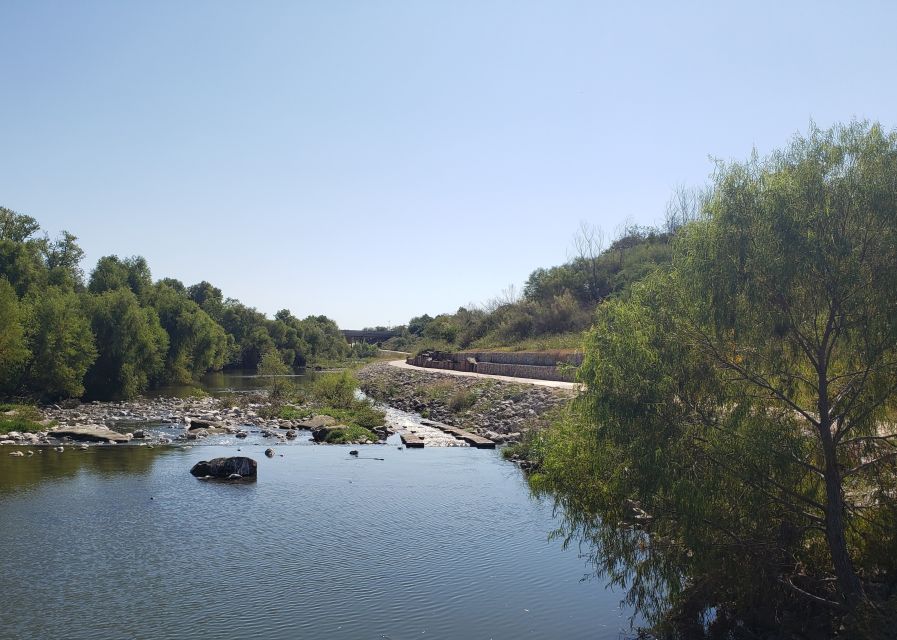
<point x="499" y="410"/>
<point x="163" y="421"/>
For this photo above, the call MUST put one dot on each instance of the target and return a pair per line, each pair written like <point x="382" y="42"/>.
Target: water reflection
<point x="441" y="543"/>
<point x="228" y="381"/>
<point x="619" y="553"/>
<point x="48" y="465"/>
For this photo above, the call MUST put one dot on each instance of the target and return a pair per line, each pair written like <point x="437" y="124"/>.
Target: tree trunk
<point x="848" y="582"/>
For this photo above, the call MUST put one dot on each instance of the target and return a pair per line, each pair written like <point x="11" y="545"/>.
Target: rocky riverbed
<point x="155" y="421"/>
<point x="500" y="411"/>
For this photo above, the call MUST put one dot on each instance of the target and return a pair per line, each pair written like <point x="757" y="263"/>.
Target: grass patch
<point x="362" y="415"/>
<point x="548" y="342"/>
<point x="440" y="390"/>
<point x="352" y="433"/>
<point x="461" y="400"/>
<point x="278" y="411"/>
<point x="289" y="412"/>
<point x="20" y="417"/>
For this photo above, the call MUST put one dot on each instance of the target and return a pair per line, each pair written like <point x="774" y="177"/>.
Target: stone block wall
<point x="539" y="365"/>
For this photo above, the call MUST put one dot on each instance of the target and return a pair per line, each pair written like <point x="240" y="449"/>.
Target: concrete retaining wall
<point x="539" y="365"/>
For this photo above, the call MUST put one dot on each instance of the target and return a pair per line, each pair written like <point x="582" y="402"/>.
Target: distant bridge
<point x="371" y="337"/>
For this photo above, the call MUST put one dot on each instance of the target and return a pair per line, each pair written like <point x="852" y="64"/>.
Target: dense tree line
<point x="117" y="332"/>
<point x="732" y="461"/>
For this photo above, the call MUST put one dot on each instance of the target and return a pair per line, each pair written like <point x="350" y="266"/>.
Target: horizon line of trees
<point x="117" y="333"/>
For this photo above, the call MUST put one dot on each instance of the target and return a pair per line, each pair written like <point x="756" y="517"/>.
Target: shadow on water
<point x="675" y="589"/>
<point x="48" y="465"/>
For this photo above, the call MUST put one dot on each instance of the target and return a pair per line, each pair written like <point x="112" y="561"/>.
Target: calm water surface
<point x="121" y="542"/>
<point x="231" y="380"/>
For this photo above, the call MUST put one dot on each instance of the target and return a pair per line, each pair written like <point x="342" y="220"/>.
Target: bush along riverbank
<point x="500" y="411"/>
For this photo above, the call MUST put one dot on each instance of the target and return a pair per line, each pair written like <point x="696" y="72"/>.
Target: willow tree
<point x="748" y="395"/>
<point x="794" y="284"/>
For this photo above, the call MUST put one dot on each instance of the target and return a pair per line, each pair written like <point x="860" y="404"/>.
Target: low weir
<point x="414" y="441"/>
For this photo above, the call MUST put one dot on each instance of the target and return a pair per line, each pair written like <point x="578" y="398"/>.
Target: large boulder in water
<point x="225" y="467"/>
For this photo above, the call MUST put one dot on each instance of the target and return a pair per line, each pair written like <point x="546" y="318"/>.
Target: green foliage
<point x="16" y="227"/>
<point x="570" y="341"/>
<point x="360" y="414"/>
<point x="13" y="348"/>
<point x="133" y="345"/>
<point x="416" y="326"/>
<point x="63" y="258"/>
<point x="290" y="412"/>
<point x="61" y="344"/>
<point x="21" y="264"/>
<point x="58" y="340"/>
<point x="336" y="390"/>
<point x="442" y="328"/>
<point x="351" y="433"/>
<point x="557" y="305"/>
<point x="316" y="338"/>
<point x="271" y="366"/>
<point x="737" y="407"/>
<point x="196" y="343"/>
<point x="590" y="279"/>
<point x="363" y="350"/>
<point x="325" y="342"/>
<point x="19" y="417"/>
<point x="208" y="297"/>
<point x="113" y="273"/>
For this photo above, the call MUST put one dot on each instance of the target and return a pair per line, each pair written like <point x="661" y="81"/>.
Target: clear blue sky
<point x="372" y="161"/>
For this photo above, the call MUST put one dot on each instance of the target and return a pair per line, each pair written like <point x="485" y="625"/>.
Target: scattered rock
<point x="353" y="452"/>
<point x="199" y="423"/>
<point x="502" y="409"/>
<point x="90" y="433"/>
<point x="196" y="413"/>
<point x="269" y="453"/>
<point x="17" y="454"/>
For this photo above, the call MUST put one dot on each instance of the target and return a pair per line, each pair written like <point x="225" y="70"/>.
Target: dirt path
<point x="401" y="364"/>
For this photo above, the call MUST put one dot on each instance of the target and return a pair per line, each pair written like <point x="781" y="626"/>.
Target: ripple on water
<point x="442" y="543"/>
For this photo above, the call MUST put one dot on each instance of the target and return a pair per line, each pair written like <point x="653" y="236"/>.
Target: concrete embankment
<point x="500" y="411"/>
<point x="538" y="365"/>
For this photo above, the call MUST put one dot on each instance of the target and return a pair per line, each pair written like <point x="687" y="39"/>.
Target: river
<point x="122" y="542"/>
